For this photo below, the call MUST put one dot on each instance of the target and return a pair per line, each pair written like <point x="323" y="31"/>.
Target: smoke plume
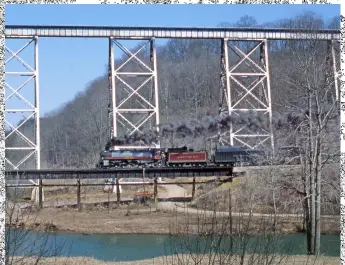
<point x="194" y="128"/>
<point x="253" y="120"/>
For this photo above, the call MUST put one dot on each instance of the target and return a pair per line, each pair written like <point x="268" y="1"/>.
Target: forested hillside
<point x="188" y="81"/>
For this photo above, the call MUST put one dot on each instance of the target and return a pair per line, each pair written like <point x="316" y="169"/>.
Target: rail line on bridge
<point x="117" y="173"/>
<point x="150" y="173"/>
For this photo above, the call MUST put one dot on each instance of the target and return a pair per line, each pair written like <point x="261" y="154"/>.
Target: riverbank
<point x="291" y="260"/>
<point x="154" y="220"/>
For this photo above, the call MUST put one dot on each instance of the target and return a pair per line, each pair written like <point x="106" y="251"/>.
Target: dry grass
<point x="57" y="196"/>
<point x="142" y="219"/>
<point x="88" y="193"/>
<point x="229" y="185"/>
<point x="188" y="187"/>
<point x="292" y="260"/>
<point x="254" y="189"/>
<point x="97" y="196"/>
<point x="125" y="219"/>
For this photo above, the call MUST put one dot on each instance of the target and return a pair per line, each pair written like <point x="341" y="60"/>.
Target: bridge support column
<point x="114" y="186"/>
<point x="22" y="74"/>
<point x="225" y="95"/>
<point x="118" y="192"/>
<point x="40" y="194"/>
<point x="37" y="193"/>
<point x="155" y="191"/>
<point x="193" y="189"/>
<point x="78" y="195"/>
<point x="336" y="66"/>
<point x="133" y="89"/>
<point x="22" y="83"/>
<point x="245" y="91"/>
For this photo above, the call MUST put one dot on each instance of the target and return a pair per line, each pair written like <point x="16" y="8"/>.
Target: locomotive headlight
<point x="105" y="162"/>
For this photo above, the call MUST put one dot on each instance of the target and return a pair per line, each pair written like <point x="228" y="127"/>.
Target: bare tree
<point x="212" y="237"/>
<point x="26" y="243"/>
<point x="317" y="107"/>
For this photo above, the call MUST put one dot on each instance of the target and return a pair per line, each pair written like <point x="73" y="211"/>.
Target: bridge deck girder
<point x="21" y="31"/>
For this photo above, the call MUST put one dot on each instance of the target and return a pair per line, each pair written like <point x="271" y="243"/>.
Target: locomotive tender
<point x="177" y="157"/>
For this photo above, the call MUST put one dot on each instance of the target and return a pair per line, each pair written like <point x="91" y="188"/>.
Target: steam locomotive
<point x="178" y="157"/>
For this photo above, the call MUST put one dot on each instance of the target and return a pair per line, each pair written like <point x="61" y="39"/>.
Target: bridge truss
<point x="29" y="144"/>
<point x="245" y="82"/>
<point x="133" y="107"/>
<point x="245" y="86"/>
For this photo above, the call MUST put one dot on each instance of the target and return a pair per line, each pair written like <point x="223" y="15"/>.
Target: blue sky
<point x="67" y="65"/>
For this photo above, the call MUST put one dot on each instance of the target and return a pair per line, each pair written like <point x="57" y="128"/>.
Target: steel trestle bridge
<point x="230" y="83"/>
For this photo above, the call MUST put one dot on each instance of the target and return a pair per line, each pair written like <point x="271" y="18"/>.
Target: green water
<point x="136" y="247"/>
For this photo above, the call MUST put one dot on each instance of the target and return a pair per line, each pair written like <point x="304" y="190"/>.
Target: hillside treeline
<point x="189" y="85"/>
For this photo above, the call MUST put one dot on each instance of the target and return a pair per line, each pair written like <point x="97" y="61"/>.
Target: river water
<point x="136" y="247"/>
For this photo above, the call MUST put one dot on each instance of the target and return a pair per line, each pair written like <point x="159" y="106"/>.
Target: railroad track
<point x="117" y="173"/>
<point x="133" y="172"/>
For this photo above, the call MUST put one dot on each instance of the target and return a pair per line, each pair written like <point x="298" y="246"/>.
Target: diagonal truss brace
<point x="336" y="67"/>
<point x="32" y="73"/>
<point x="228" y="105"/>
<point x="148" y="106"/>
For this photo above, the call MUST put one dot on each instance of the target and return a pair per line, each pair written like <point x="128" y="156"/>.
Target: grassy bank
<point x="149" y="220"/>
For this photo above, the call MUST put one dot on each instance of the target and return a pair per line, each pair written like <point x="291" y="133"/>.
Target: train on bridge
<point x="181" y="157"/>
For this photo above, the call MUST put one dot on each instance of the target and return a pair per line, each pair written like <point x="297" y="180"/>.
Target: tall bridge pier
<point x="143" y="110"/>
<point x="30" y="144"/>
<point x="245" y="86"/>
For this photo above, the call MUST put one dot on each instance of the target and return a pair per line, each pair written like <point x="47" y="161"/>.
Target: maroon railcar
<point x="186" y="158"/>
